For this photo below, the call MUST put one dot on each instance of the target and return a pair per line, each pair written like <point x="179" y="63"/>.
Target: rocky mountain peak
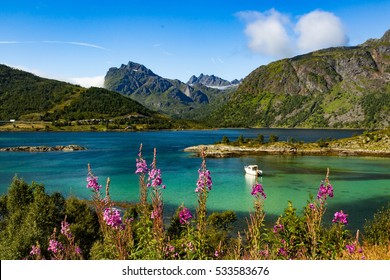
<point x="386" y="37"/>
<point x="211" y="81"/>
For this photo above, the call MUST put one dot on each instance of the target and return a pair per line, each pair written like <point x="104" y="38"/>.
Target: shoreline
<point x="375" y="143"/>
<point x="225" y="151"/>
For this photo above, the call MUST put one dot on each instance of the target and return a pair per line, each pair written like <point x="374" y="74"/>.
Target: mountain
<point x="211" y="81"/>
<point x="27" y="97"/>
<point x="172" y="97"/>
<point x="334" y="87"/>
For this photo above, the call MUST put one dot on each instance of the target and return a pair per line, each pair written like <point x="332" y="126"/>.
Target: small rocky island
<point x="59" y="148"/>
<point x="376" y="143"/>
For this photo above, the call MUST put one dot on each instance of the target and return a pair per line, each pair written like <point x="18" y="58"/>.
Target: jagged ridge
<point x="172" y="97"/>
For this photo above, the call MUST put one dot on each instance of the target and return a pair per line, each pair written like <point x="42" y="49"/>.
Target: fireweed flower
<point x="54" y="246"/>
<point x="340" y="217"/>
<point x="112" y="217"/>
<point x="78" y="250"/>
<point x="282" y="252"/>
<point x="350" y="248"/>
<point x="325" y="191"/>
<point x="155" y="179"/>
<point x="185" y="216"/>
<point x="35" y="250"/>
<point x="142" y="167"/>
<point x="65" y="230"/>
<point x="92" y="183"/>
<point x="204" y="180"/>
<point x="258" y="189"/>
<point x="278" y="228"/>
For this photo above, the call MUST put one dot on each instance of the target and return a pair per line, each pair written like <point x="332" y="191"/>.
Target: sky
<point x="78" y="41"/>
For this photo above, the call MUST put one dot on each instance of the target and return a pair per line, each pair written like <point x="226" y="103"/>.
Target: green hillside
<point x="336" y="87"/>
<point x="25" y="97"/>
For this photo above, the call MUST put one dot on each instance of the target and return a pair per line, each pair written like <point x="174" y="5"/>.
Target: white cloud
<point x="9" y="42"/>
<point x="267" y="33"/>
<point x="97" y="81"/>
<point x="275" y="35"/>
<point x="319" y="29"/>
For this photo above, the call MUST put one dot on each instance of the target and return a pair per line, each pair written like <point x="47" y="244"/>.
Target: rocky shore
<point x="372" y="144"/>
<point x="67" y="148"/>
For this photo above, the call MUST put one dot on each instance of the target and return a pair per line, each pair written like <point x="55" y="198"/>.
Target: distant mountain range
<point x="335" y="87"/>
<point x="212" y="81"/>
<point x="199" y="96"/>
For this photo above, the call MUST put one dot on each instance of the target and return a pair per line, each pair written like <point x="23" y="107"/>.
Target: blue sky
<point x="78" y="41"/>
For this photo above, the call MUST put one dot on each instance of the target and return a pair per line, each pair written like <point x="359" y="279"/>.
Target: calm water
<point x="362" y="184"/>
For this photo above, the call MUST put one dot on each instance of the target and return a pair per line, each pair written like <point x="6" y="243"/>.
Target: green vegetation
<point x="336" y="87"/>
<point x="29" y="215"/>
<point x="42" y="104"/>
<point x="34" y="224"/>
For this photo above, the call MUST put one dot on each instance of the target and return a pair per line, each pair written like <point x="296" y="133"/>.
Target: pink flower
<point x="112" y="218"/>
<point x="93" y="184"/>
<point x="282" y="252"/>
<point x="54" y="246"/>
<point x="185" y="215"/>
<point x="340" y="217"/>
<point x="142" y="167"/>
<point x="278" y="228"/>
<point x="325" y="191"/>
<point x="65" y="230"/>
<point x="258" y="189"/>
<point x="78" y="250"/>
<point x="350" y="248"/>
<point x="155" y="179"/>
<point x="204" y="180"/>
<point x="35" y="250"/>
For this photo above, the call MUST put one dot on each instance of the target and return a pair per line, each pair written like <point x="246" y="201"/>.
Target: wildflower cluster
<point x="324" y="191"/>
<point x="185" y="215"/>
<point x="35" y="250"/>
<point x="93" y="183"/>
<point x="65" y="230"/>
<point x="112" y="217"/>
<point x="55" y="246"/>
<point x="258" y="189"/>
<point x="340" y="217"/>
<point x="204" y="180"/>
<point x="142" y="167"/>
<point x="154" y="178"/>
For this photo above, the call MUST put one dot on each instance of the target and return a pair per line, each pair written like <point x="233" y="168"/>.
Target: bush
<point x="377" y="230"/>
<point x="273" y="138"/>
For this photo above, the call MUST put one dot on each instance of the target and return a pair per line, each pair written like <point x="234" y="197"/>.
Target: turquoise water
<point x="361" y="184"/>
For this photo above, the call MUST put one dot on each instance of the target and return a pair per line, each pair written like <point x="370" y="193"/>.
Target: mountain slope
<point x="335" y="87"/>
<point x="24" y="96"/>
<point x="171" y="97"/>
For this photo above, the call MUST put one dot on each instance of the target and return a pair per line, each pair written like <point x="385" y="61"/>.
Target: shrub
<point x="377" y="230"/>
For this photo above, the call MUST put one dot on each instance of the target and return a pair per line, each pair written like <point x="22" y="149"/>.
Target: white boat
<point x="253" y="170"/>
